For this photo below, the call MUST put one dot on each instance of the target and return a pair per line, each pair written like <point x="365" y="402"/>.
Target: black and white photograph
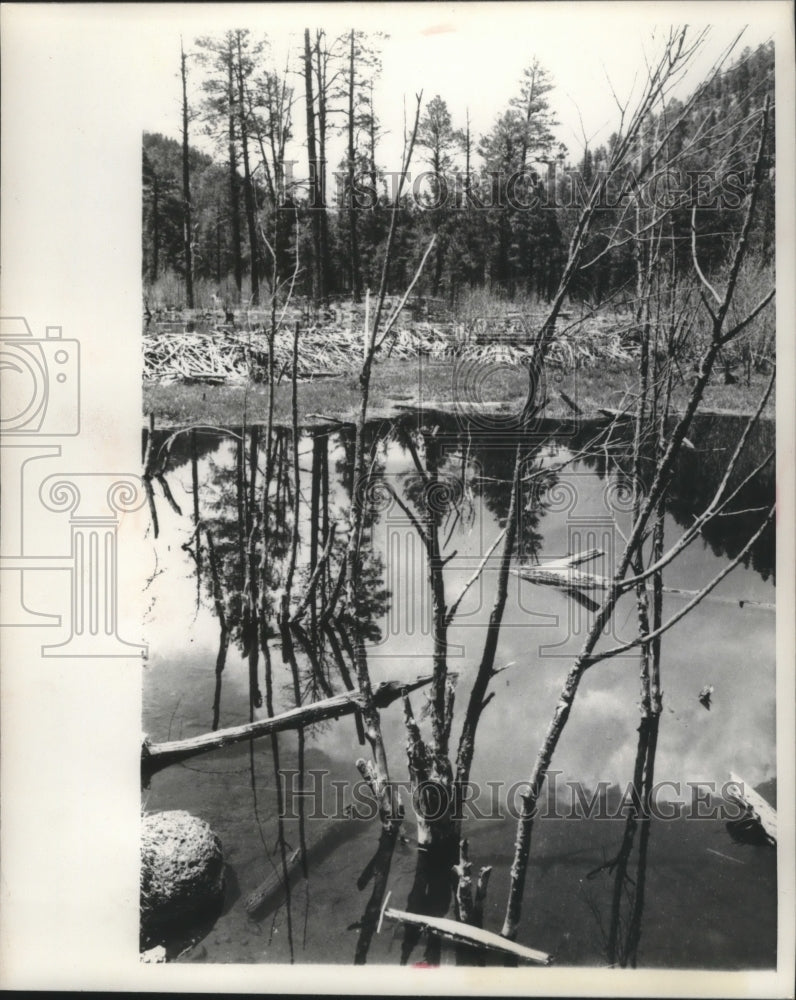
<point x="397" y="557"/>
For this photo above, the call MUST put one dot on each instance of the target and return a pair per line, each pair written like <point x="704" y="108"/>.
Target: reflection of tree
<point x="233" y="519"/>
<point x="448" y="474"/>
<point x="181" y="445"/>
<point x="231" y="503"/>
<point x="437" y="495"/>
<point x="430" y="895"/>
<point x="264" y="530"/>
<point x="623" y="934"/>
<point x="468" y="469"/>
<point x="698" y="473"/>
<point x="696" y="477"/>
<point x="377" y="871"/>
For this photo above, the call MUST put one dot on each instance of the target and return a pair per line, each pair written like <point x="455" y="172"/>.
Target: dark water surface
<point x="708" y="901"/>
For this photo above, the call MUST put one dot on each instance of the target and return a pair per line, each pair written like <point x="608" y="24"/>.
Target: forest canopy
<point x="502" y="206"/>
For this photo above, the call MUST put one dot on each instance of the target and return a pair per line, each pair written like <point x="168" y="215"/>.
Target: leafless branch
<point x="455" y="606"/>
<point x="695" y="259"/>
<point x="701" y="595"/>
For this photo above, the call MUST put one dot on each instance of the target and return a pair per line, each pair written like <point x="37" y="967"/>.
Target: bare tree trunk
<point x="187" y="227"/>
<point x="467" y="145"/>
<point x="234" y="184"/>
<point x="248" y="189"/>
<point x="196" y="524"/>
<point x="320" y="63"/>
<point x="651" y="504"/>
<point x="478" y="695"/>
<point x="372" y="145"/>
<point x="218" y="244"/>
<point x="155" y="228"/>
<point x="312" y="155"/>
<point x="375" y="772"/>
<point x="356" y="276"/>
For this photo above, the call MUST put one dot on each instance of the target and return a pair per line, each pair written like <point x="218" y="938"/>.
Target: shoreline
<point x="584" y="395"/>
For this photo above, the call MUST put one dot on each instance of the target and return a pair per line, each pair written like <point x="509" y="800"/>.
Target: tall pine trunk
<point x="187" y="227"/>
<point x="155" y="229"/>
<point x="326" y="267"/>
<point x="218" y="244"/>
<point x="234" y="185"/>
<point x="356" y="276"/>
<point x="248" y="190"/>
<point x="372" y="137"/>
<point x="312" y="155"/>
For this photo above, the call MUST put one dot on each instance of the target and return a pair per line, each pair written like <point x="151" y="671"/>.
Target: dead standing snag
<point x="646" y="509"/>
<point x="376" y="772"/>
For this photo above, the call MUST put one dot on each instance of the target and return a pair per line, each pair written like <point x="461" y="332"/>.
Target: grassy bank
<point x="400" y="384"/>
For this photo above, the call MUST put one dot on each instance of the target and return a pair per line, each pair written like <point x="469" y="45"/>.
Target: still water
<point x="708" y="900"/>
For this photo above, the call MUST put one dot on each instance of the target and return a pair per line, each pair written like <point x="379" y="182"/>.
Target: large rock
<point x="182" y="870"/>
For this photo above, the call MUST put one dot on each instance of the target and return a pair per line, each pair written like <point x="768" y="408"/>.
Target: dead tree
<point x="375" y="772"/>
<point x="187" y="227"/>
<point x="645" y="510"/>
<point x="315" y="193"/>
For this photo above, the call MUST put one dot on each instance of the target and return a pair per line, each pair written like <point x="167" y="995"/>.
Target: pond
<point x="678" y="891"/>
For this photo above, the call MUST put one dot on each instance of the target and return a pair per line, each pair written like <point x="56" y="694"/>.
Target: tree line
<point x="502" y="207"/>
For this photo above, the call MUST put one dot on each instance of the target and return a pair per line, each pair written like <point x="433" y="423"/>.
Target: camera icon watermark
<point x="40" y="379"/>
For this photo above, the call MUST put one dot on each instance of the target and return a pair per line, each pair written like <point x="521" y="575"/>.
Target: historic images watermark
<point x="41" y="404"/>
<point x="314" y="794"/>
<point x="526" y="190"/>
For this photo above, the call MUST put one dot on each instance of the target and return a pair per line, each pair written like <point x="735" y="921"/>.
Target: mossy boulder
<point x="182" y="871"/>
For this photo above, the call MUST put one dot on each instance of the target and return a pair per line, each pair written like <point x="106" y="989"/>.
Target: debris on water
<point x="725" y="856"/>
<point x="705" y="696"/>
<point x="748" y="830"/>
<point x="154" y="956"/>
<point x="757" y="824"/>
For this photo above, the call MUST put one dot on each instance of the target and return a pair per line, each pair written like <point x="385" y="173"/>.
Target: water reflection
<point x="627" y="894"/>
<point x="242" y="510"/>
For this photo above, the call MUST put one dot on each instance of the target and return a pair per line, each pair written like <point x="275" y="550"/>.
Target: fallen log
<point x="475" y="937"/>
<point x="759" y="810"/>
<point x="561" y="573"/>
<point x="612" y="413"/>
<point x="588" y="555"/>
<point x="555" y="576"/>
<point x="272" y="885"/>
<point x="272" y="888"/>
<point x="156" y="756"/>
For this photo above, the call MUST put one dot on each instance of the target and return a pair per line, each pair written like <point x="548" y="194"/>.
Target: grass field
<point x="396" y="385"/>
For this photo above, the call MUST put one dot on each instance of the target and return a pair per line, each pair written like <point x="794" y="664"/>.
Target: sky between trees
<point x="471" y="55"/>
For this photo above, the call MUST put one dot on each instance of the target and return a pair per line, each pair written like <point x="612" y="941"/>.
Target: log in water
<point x="273" y="886"/>
<point x="156" y="756"/>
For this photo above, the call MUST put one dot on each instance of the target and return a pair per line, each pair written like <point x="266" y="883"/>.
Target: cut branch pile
<point x="224" y="353"/>
<point x="223" y="356"/>
<point x="211" y="357"/>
